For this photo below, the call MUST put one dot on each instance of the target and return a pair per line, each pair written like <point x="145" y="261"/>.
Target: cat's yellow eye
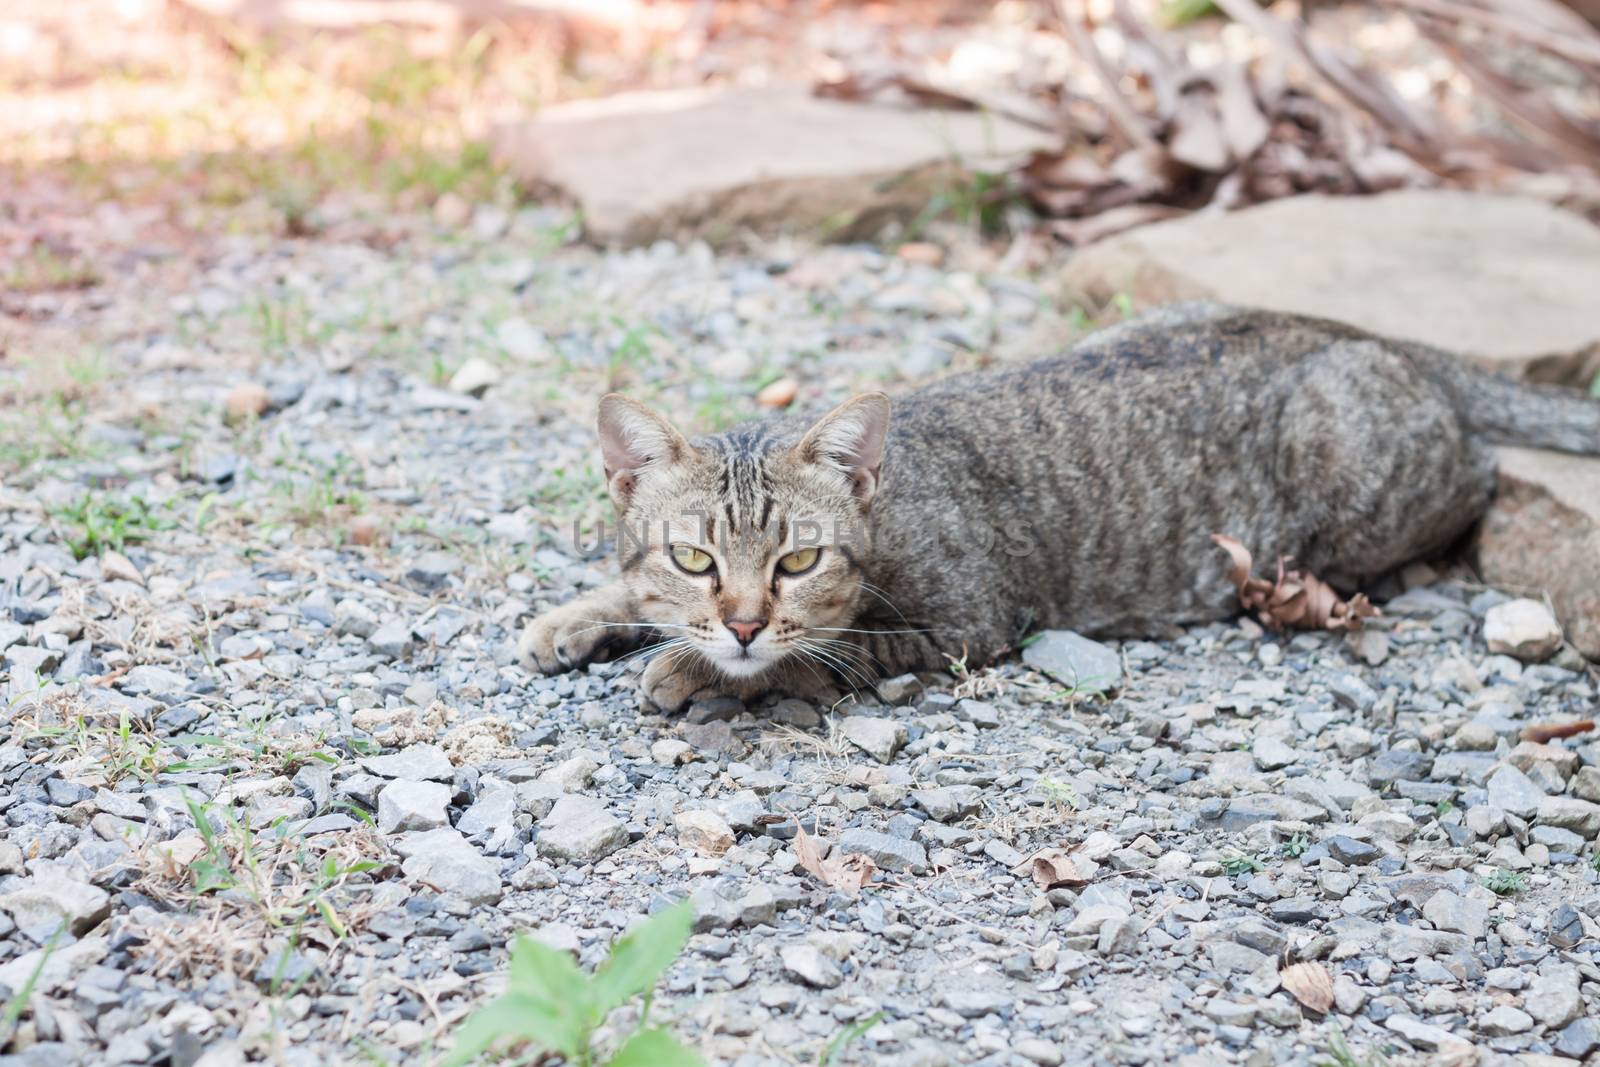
<point x="799" y="562"/>
<point x="691" y="559"/>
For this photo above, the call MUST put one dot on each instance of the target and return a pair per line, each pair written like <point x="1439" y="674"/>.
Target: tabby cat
<point x="1078" y="491"/>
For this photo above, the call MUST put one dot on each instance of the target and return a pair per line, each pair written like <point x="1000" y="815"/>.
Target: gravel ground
<point x="273" y="510"/>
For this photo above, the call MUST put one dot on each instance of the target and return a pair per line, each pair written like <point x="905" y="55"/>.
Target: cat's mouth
<point x="742" y="661"/>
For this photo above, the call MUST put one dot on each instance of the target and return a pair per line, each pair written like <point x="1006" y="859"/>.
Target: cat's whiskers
<point x="854" y="673"/>
<point x="601" y="625"/>
<point x="651" y="651"/>
<point x="850" y="648"/>
<point x="867" y="586"/>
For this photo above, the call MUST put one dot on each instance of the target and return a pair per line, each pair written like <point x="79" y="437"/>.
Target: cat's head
<point x="744" y="547"/>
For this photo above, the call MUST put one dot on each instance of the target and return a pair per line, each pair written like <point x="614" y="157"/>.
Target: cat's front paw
<point x="671" y="684"/>
<point x="559" y="640"/>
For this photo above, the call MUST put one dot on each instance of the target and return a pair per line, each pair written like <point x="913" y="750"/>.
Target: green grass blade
<point x="843" y="1039"/>
<point x="639" y="957"/>
<point x="653" y="1048"/>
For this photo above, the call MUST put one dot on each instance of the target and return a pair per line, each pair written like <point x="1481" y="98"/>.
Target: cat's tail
<point x="1507" y="412"/>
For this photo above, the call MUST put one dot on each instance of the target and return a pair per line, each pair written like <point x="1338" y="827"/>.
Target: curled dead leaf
<point x="1051" y="868"/>
<point x="778" y="394"/>
<point x="364" y="530"/>
<point x="1310" y="985"/>
<point x="848" y="873"/>
<point x="1549" y="731"/>
<point x="1298" y="599"/>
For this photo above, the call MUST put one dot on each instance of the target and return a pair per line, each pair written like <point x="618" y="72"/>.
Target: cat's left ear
<point x="850" y="440"/>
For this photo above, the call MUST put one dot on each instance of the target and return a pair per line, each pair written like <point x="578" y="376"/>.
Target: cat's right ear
<point x="634" y="439"/>
<point x="850" y="440"/>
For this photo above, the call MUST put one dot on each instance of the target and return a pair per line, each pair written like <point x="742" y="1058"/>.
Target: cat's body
<point x="1079" y="491"/>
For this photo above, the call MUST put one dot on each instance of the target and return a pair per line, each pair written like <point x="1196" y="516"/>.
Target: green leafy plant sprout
<point x="1234" y="866"/>
<point x="285" y="882"/>
<point x="1504" y="883"/>
<point x="1340" y="1054"/>
<point x="554" y="1006"/>
<point x="1295" y="847"/>
<point x="103" y="524"/>
<point x="1059" y="793"/>
<point x="118" y="750"/>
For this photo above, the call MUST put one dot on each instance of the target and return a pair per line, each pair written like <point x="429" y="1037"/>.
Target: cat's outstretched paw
<point x="576" y="633"/>
<point x="670" y="684"/>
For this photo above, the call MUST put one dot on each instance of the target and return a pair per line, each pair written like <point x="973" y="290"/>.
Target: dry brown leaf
<point x="1197" y="138"/>
<point x="1550" y="731"/>
<point x="1310" y="984"/>
<point x="848" y="873"/>
<point x="1298" y="599"/>
<point x="1247" y="129"/>
<point x="1052" y="867"/>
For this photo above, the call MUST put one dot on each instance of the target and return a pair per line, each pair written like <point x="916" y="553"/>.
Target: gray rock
<point x="1425" y="1036"/>
<point x="949" y="803"/>
<point x="157" y="682"/>
<point x="901" y="689"/>
<point x="1119" y="936"/>
<point x="432" y="570"/>
<point x="46" y="901"/>
<point x="353" y="617"/>
<point x="1074" y="661"/>
<point x="1461" y="915"/>
<point x="492" y="813"/>
<point x="983" y="716"/>
<point x="644" y="166"/>
<point x="1349" y="850"/>
<point x="11" y="634"/>
<point x="1569" y="813"/>
<point x="580" y="829"/>
<point x="1522" y="628"/>
<point x="887" y="851"/>
<point x="1579" y="1039"/>
<point x="1566" y="928"/>
<point x="392" y="639"/>
<point x="804" y="963"/>
<point x="1396" y="765"/>
<point x="1244" y="812"/>
<point x="444" y="859"/>
<point x="1037" y="1050"/>
<point x="1504" y="1021"/>
<point x="1511" y="790"/>
<point x="1352" y="692"/>
<point x="407" y="805"/>
<point x="1473" y="767"/>
<point x="1554" y="998"/>
<point x="878" y="738"/>
<point x="1272" y="754"/>
<point x="976" y="1003"/>
<point x="716" y="709"/>
<point x="418" y="763"/>
<point x="25" y="660"/>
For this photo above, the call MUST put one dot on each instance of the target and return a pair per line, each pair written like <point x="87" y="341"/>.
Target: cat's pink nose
<point x="745" y="629"/>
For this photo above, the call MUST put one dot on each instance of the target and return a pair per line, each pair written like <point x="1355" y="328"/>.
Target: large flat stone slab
<point x="1542" y="535"/>
<point x="1507" y="281"/>
<point x="713" y="162"/>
